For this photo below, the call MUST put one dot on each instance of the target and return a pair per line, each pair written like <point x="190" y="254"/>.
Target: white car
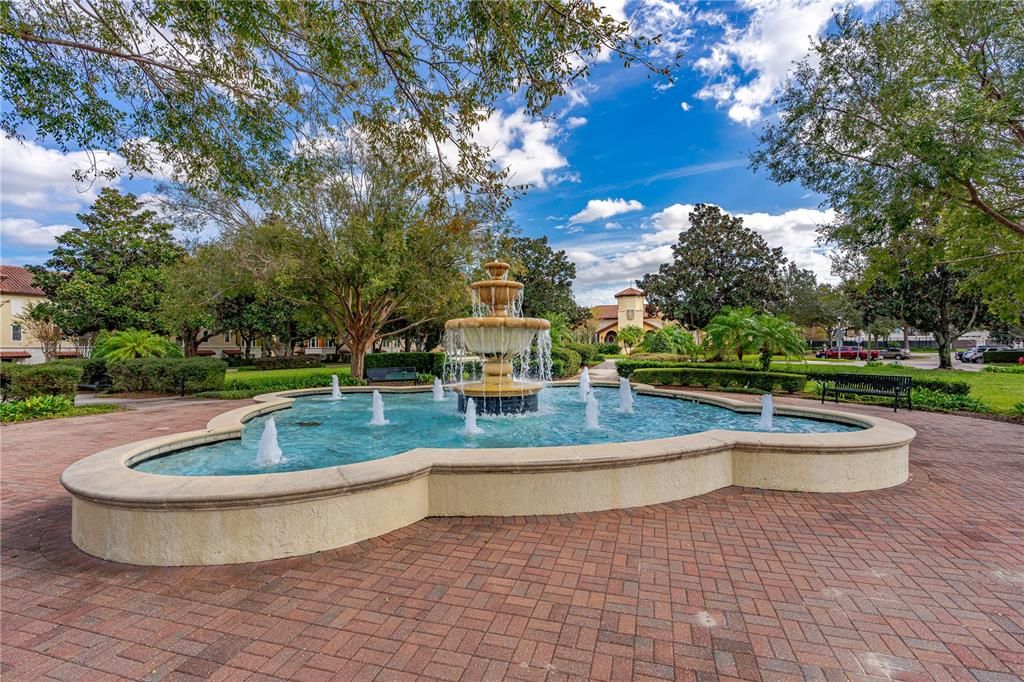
<point x="976" y="354"/>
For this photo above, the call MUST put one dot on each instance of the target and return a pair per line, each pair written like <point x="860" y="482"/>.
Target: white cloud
<point x="575" y="122"/>
<point x="685" y="106"/>
<point x="35" y="177"/>
<point x="526" y="147"/>
<point x="669" y="19"/>
<point x="608" y="261"/>
<point x="597" y="209"/>
<point x="613" y="226"/>
<point x="25" y="232"/>
<point x="749" y="65"/>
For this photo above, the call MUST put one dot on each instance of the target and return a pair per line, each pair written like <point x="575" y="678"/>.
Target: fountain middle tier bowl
<point x="499" y="336"/>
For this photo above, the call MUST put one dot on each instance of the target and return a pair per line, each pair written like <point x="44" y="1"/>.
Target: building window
<point x="630" y="314"/>
<point x="16" y="332"/>
<point x="227" y="337"/>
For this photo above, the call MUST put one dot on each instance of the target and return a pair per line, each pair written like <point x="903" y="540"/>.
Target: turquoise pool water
<point x="318" y="432"/>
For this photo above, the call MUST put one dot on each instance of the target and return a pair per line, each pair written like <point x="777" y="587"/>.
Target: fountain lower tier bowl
<point x="498" y="339"/>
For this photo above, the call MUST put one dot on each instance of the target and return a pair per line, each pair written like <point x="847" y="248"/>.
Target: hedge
<point x="588" y="351"/>
<point x="626" y="368"/>
<point x="425" y="363"/>
<point x="725" y="378"/>
<point x="608" y="348"/>
<point x="20" y="382"/>
<point x="287" y="362"/>
<point x="565" y="362"/>
<point x="1002" y="355"/>
<point x="164" y="375"/>
<point x="285" y="381"/>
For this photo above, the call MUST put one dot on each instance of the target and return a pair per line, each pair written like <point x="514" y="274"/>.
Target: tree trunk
<point x="906" y="338"/>
<point x="190" y="344"/>
<point x="943" y="341"/>
<point x="358" y="347"/>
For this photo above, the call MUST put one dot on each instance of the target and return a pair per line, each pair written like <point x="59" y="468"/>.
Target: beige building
<point x="629" y="310"/>
<point x="17" y="294"/>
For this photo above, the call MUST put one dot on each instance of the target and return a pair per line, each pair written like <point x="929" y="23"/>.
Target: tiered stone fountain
<point x="501" y="337"/>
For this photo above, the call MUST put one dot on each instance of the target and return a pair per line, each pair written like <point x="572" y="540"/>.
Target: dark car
<point x="851" y="353"/>
<point x="895" y="353"/>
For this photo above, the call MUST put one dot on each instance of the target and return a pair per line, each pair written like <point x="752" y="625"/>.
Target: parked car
<point x="895" y="353"/>
<point x="821" y="353"/>
<point x="976" y="354"/>
<point x="851" y="353"/>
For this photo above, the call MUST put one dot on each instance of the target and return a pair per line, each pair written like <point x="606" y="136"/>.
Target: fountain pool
<point x="331" y="472"/>
<point x="316" y="433"/>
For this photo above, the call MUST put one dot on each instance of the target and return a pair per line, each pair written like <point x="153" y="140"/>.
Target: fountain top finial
<point x="497" y="269"/>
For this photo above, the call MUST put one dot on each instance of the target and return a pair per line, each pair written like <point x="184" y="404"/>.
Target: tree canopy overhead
<point x="911" y="113"/>
<point x="223" y="90"/>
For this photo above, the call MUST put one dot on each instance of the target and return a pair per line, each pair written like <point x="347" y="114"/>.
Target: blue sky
<point x="615" y="171"/>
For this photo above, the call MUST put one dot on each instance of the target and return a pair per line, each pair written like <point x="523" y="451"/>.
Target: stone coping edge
<point x="106" y="478"/>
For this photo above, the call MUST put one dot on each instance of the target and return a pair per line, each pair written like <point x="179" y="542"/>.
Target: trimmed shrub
<point x="588" y="351"/>
<point x="287" y="380"/>
<point x="35" y="408"/>
<point x="289" y="362"/>
<point x="946" y="402"/>
<point x="239" y="361"/>
<point x="658" y="342"/>
<point x="20" y="382"/>
<point x="720" y="378"/>
<point x="565" y="362"/>
<point x="1002" y="355"/>
<point x="425" y="363"/>
<point x="164" y="375"/>
<point x="1005" y="369"/>
<point x="608" y="348"/>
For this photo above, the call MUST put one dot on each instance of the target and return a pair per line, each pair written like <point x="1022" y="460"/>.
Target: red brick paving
<point x="923" y="581"/>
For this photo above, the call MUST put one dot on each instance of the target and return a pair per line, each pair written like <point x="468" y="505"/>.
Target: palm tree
<point x="773" y="335"/>
<point x="134" y="343"/>
<point x="732" y="330"/>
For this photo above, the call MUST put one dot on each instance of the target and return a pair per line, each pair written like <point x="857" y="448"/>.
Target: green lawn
<point x="999" y="391"/>
<point x="254" y="375"/>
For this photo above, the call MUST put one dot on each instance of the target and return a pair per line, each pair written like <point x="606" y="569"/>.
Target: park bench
<point x="886" y="386"/>
<point x="102" y="383"/>
<point x="382" y="375"/>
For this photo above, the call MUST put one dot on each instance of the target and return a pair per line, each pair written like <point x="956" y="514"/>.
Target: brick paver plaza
<point x="923" y="581"/>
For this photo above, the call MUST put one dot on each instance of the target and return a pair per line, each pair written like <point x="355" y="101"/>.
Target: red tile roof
<point x="14" y="354"/>
<point x="629" y="292"/>
<point x="16" y="280"/>
<point x="606" y="312"/>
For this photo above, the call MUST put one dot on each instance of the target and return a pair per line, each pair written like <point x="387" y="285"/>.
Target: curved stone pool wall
<point x="125" y="515"/>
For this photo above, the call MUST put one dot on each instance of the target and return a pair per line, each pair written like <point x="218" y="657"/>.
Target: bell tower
<point x="631" y="306"/>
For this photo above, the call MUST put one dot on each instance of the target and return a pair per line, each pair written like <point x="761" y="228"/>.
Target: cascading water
<point x="268" y="453"/>
<point x="767" y="410"/>
<point x="438" y="390"/>
<point x="505" y="350"/>
<point x="470" y="428"/>
<point x="592" y="412"/>
<point x="585" y="383"/>
<point x="335" y="388"/>
<point x="625" y="396"/>
<point x="378" y="410"/>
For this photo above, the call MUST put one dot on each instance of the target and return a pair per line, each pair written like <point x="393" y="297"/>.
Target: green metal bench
<point x="882" y="385"/>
